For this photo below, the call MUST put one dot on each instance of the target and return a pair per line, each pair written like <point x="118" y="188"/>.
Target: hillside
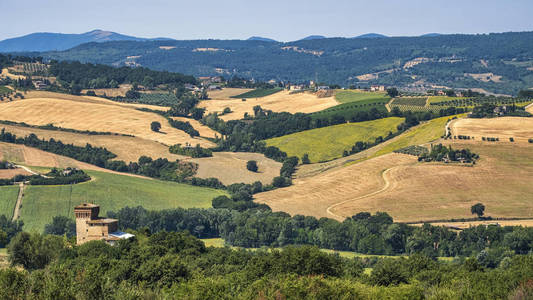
<point x="417" y="62"/>
<point x="48" y="41"/>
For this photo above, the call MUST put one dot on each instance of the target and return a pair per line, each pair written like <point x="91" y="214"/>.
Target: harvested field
<point x="313" y="195"/>
<point x="333" y="139"/>
<point x="89" y="99"/>
<point x="116" y="92"/>
<point x="10" y="173"/>
<point x="226" y="93"/>
<point x="519" y="128"/>
<point x="279" y="102"/>
<point x="230" y="167"/>
<point x="5" y="73"/>
<point x="464" y="225"/>
<point x="96" y="117"/>
<point x="126" y="148"/>
<point x="435" y="191"/>
<point x="202" y="129"/>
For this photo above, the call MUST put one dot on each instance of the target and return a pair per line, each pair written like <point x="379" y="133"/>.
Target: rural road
<point x="384" y="188"/>
<point x="18" y="205"/>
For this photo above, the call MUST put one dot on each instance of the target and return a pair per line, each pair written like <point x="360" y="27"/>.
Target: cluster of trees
<point x="4" y="164"/>
<point x="57" y="128"/>
<point x="92" y="76"/>
<point x="442" y="153"/>
<point x="60" y="177"/>
<point x="191" y="151"/>
<point x="8" y="229"/>
<point x="176" y="265"/>
<point x="363" y="233"/>
<point x="185" y="126"/>
<point x="493" y="110"/>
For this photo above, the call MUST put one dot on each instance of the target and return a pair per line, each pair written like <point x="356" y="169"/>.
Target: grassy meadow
<point x="112" y="192"/>
<point x="345" y="96"/>
<point x="257" y="93"/>
<point x="8" y="198"/>
<point x="328" y="143"/>
<point x="424" y="133"/>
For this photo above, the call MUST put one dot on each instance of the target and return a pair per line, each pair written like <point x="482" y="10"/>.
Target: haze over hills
<point x="48" y="41"/>
<point x="500" y="63"/>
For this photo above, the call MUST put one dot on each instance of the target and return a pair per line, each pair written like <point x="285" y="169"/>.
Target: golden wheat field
<point x="230" y="167"/>
<point x="96" y="117"/>
<point x="279" y="102"/>
<point x="9" y="173"/>
<point x="518" y="128"/>
<point x="226" y="93"/>
<point x="126" y="148"/>
<point x="411" y="191"/>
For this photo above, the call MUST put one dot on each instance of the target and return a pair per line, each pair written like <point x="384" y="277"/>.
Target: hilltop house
<point x="377" y="88"/>
<point x="90" y="227"/>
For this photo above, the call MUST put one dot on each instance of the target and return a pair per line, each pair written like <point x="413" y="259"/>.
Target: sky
<point x="283" y="20"/>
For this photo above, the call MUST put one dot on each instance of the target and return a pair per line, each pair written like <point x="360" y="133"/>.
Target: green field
<point x="257" y="93"/>
<point x="8" y="198"/>
<point x="424" y="133"/>
<point x="356" y="96"/>
<point x="111" y="192"/>
<point x="349" y="109"/>
<point x="327" y="143"/>
<point x="410" y="101"/>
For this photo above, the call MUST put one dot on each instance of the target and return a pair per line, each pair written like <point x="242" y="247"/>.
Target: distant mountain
<point x="452" y="60"/>
<point x="263" y="39"/>
<point x="47" y="41"/>
<point x="313" y="37"/>
<point x="370" y="36"/>
<point x="431" y="34"/>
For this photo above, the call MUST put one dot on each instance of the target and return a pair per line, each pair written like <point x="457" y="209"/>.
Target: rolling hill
<point x="416" y="62"/>
<point x="48" y="41"/>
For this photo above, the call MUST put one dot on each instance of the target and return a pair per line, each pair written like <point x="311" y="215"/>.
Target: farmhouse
<point x="39" y="85"/>
<point x="377" y="88"/>
<point x="90" y="227"/>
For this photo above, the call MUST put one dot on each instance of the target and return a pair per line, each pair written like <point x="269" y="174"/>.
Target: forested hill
<point x="501" y="63"/>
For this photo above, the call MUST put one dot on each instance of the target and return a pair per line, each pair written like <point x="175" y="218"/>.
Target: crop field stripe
<point x="357" y="96"/>
<point x="258" y="93"/>
<point x="8" y="198"/>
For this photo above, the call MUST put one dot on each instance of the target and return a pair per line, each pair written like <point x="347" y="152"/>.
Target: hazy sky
<point x="283" y="20"/>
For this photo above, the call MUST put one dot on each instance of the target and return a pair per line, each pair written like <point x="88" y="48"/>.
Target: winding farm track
<point x="387" y="181"/>
<point x="18" y="205"/>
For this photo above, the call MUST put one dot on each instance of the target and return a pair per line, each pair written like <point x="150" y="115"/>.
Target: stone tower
<point x="84" y="213"/>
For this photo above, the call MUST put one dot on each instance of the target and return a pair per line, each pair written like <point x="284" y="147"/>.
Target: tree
<point x="305" y="159"/>
<point x="156" y="126"/>
<point x="61" y="225"/>
<point x="251" y="165"/>
<point x="478" y="209"/>
<point x="392" y="92"/>
<point x="133" y="94"/>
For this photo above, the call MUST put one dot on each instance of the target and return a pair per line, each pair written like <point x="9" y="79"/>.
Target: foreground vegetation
<point x="177" y="265"/>
<point x="328" y="143"/>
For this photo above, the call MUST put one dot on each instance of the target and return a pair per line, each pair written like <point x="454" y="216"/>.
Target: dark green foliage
<point x="389" y="272"/>
<point x="191" y="151"/>
<point x="60" y="177"/>
<point x="53" y="127"/>
<point x="305" y="159"/>
<point x="133" y="94"/>
<point x="251" y="166"/>
<point x="155" y="126"/>
<point x="393" y="92"/>
<point x="91" y="76"/>
<point x="8" y="229"/>
<point x="185" y="126"/>
<point x="478" y="209"/>
<point x="61" y="225"/>
<point x="447" y="154"/>
<point x="34" y="251"/>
